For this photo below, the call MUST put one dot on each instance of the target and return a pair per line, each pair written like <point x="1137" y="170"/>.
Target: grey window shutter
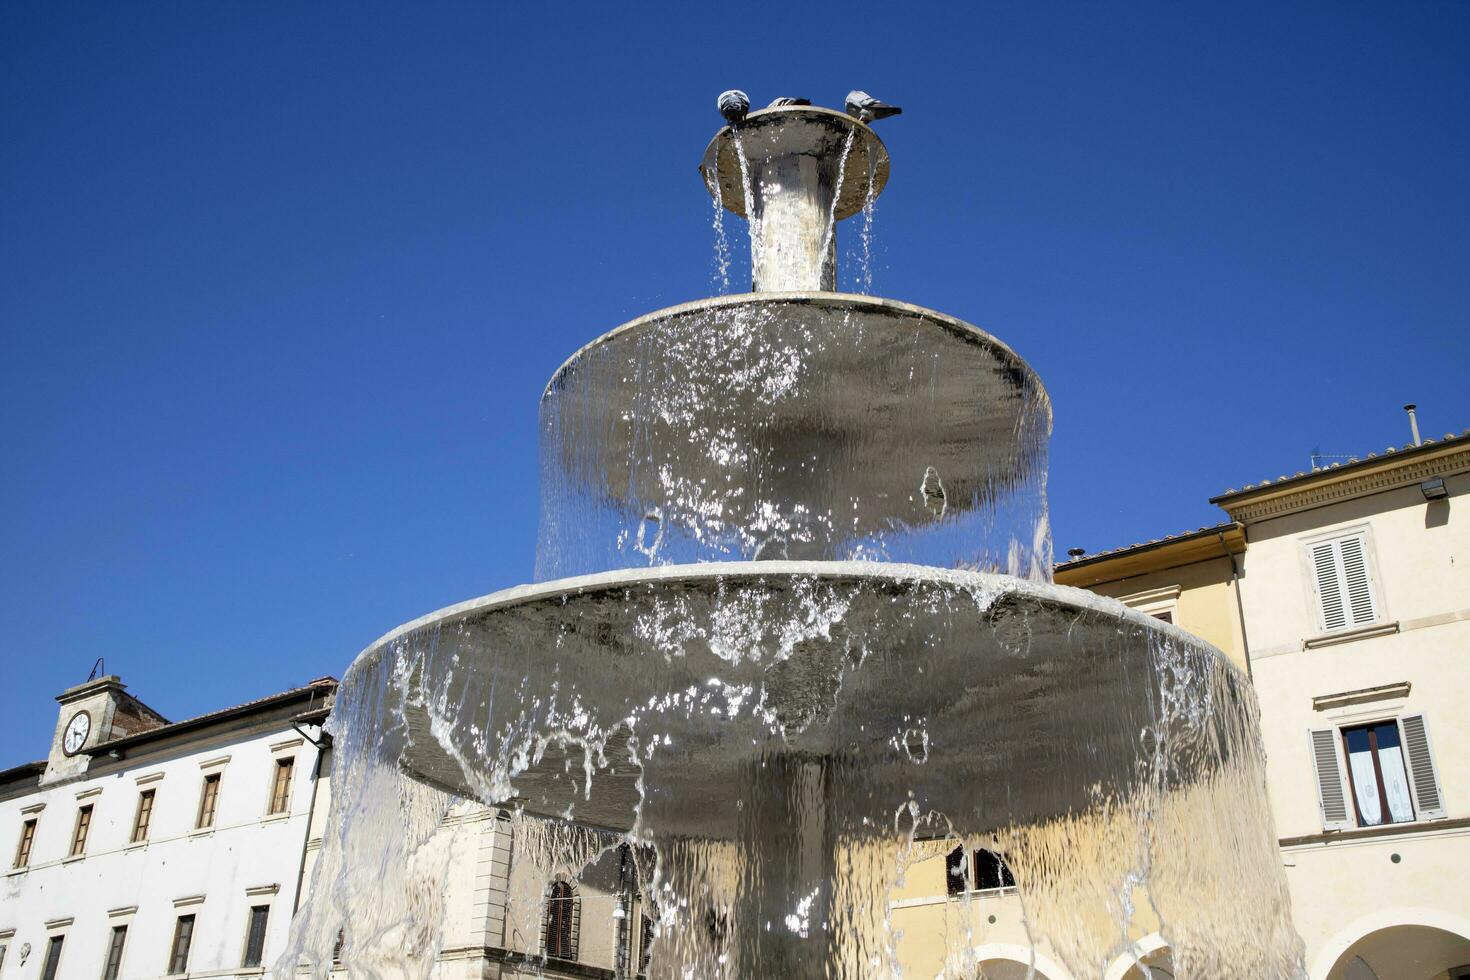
<point x="1423" y="780"/>
<point x="1331" y="787"/>
<point x="1329" y="589"/>
<point x="1359" y="593"/>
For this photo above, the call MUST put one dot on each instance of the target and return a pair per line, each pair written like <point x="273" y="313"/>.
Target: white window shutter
<point x="1332" y="791"/>
<point x="1359" y="593"/>
<point x="1329" y="588"/>
<point x="1423" y="780"/>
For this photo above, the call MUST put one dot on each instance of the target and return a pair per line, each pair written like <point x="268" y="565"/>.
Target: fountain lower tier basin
<point x="810" y="426"/>
<point x="666" y="700"/>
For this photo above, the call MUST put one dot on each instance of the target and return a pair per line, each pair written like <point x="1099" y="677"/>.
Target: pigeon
<point x="733" y="105"/>
<point x="866" y="108"/>
<point x="785" y="101"/>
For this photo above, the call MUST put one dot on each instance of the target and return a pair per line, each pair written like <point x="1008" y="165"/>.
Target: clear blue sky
<point x="280" y="283"/>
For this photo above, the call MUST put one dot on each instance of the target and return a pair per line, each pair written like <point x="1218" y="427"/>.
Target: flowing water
<point x="794" y="695"/>
<point x="779" y="754"/>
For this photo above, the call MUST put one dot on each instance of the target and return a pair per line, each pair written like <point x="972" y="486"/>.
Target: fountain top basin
<point x="811" y="131"/>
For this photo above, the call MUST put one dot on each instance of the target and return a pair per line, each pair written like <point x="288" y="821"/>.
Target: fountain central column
<point x="794" y="172"/>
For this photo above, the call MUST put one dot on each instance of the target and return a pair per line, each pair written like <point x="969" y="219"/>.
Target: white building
<point x="142" y="848"/>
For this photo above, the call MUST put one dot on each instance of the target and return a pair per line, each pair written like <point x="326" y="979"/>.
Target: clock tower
<point x="92" y="713"/>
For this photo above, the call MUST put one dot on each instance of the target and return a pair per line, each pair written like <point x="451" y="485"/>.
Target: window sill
<point x="198" y="832"/>
<point x="72" y="858"/>
<point x="986" y="892"/>
<point x="1384" y="830"/>
<point x="17" y="871"/>
<point x="136" y="845"/>
<point x="275" y="817"/>
<point x="1348" y="636"/>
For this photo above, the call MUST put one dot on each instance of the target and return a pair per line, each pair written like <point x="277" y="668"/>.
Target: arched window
<point x="561" y="922"/>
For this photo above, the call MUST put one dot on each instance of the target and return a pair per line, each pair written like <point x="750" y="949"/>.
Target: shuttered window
<point x="1332" y="794"/>
<point x="1344" y="588"/>
<point x="1368" y="775"/>
<point x="1423" y="779"/>
<point x="561" y="922"/>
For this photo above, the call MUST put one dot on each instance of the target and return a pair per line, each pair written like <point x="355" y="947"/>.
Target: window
<point x="208" y="801"/>
<point x="255" y="936"/>
<point x="178" y="956"/>
<point x="645" y="946"/>
<point x="1167" y="615"/>
<point x="561" y="922"/>
<point x="79" y="834"/>
<point x="115" y="953"/>
<point x="337" y="947"/>
<point x="27" y="838"/>
<point x="985" y="870"/>
<point x="1388" y="776"/>
<point x="53" y="958"/>
<point x="1344" y="588"/>
<point x="143" y="817"/>
<point x="281" y="787"/>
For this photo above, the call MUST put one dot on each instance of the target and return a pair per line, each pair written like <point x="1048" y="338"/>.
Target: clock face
<point x="76" y="733"/>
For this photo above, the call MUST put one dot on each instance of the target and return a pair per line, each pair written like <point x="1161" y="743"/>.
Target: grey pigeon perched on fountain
<point x="866" y="108"/>
<point x="786" y="101"/>
<point x="733" y="105"/>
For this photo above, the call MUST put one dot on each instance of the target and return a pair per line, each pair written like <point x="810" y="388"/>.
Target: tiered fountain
<point x="793" y="620"/>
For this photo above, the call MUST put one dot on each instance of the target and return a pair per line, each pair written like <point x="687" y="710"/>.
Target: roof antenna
<point x="96" y="667"/>
<point x="1414" y="423"/>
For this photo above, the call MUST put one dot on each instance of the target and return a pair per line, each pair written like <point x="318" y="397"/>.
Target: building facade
<point x="144" y="848"/>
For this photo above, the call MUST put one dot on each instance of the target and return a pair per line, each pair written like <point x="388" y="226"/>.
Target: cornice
<point x="1346" y="486"/>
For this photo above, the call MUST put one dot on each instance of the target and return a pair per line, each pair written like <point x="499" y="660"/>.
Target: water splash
<point x="720" y="275"/>
<point x="791" y="757"/>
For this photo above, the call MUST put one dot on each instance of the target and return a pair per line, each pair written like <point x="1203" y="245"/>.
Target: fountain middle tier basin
<point x="807" y="426"/>
<point x="665" y="700"/>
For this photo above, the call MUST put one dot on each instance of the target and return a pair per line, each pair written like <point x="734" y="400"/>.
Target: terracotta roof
<point x="322" y="686"/>
<point x="1351" y="462"/>
<point x="22" y="771"/>
<point x="1151" y="543"/>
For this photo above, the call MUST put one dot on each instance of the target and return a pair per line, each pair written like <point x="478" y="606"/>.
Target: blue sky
<point x="280" y="283"/>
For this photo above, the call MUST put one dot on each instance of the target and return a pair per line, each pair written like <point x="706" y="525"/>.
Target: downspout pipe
<point x="316" y="781"/>
<point x="1245" y="643"/>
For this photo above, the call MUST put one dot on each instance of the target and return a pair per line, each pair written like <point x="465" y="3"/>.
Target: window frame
<point x="80" y="831"/>
<point x="51" y="965"/>
<point x="143" y="815"/>
<point x="970" y="883"/>
<point x="1378" y="781"/>
<point x="250" y="919"/>
<point x="117" y="941"/>
<point x="278" y="803"/>
<point x="182" y="937"/>
<point x="26" y="843"/>
<point x="209" y="790"/>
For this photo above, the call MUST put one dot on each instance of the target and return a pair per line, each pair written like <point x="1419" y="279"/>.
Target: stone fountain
<point x="794" y="629"/>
